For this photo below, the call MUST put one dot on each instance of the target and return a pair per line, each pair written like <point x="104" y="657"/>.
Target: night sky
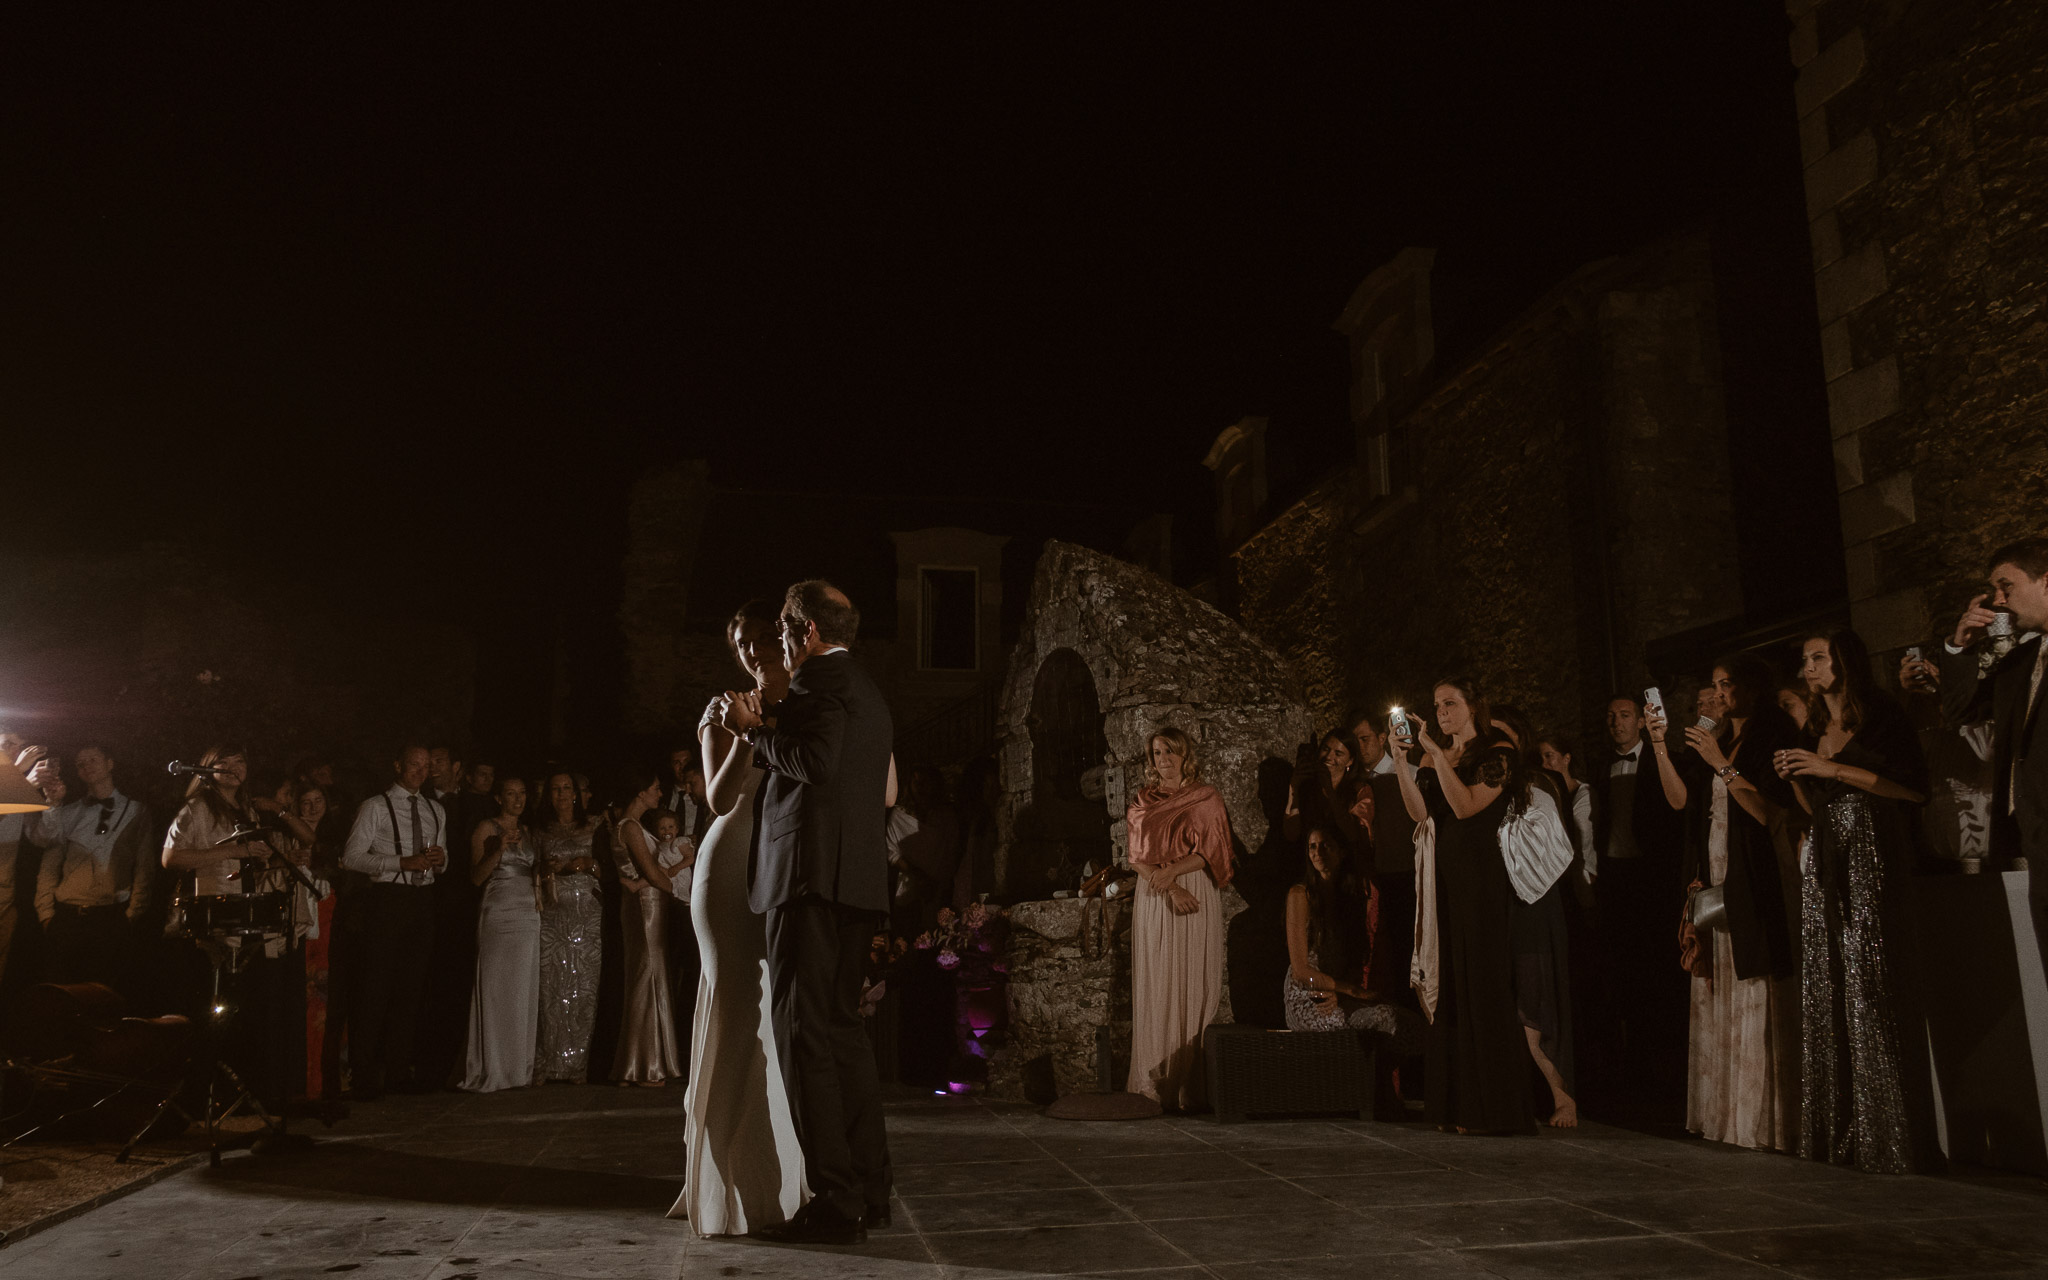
<point x="425" y="286"/>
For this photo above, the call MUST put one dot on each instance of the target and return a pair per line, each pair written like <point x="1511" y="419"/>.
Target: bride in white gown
<point x="745" y="1168"/>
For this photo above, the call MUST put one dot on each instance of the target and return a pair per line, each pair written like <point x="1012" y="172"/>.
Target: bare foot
<point x="1566" y="1116"/>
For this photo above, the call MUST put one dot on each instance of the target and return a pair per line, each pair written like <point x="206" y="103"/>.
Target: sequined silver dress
<point x="571" y="957"/>
<point x="1856" y="1102"/>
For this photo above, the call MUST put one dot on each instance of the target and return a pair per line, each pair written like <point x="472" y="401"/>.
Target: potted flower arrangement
<point x="972" y="945"/>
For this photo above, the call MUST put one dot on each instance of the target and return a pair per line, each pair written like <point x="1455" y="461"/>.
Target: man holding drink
<point x="398" y="841"/>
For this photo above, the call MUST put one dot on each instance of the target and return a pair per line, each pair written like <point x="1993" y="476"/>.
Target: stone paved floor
<point x="572" y="1181"/>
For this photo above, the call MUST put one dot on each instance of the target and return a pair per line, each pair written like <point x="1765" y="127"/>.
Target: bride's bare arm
<point x="726" y="761"/>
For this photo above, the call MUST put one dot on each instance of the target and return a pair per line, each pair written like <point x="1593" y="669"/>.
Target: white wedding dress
<point x="745" y="1168"/>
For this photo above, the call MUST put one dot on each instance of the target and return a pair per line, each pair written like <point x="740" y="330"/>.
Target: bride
<point x="745" y="1168"/>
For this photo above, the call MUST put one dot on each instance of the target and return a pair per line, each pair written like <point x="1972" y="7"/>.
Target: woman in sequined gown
<point x="744" y="1168"/>
<point x="1862" y="776"/>
<point x="571" y="936"/>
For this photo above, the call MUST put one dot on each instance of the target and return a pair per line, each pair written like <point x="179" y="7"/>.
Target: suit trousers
<point x="393" y="951"/>
<point x="817" y="955"/>
<point x="88" y="944"/>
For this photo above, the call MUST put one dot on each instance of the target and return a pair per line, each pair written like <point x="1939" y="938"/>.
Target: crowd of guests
<point x="464" y="927"/>
<point x="1720" y="895"/>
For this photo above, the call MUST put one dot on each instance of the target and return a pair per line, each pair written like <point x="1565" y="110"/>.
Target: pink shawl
<point x="1165" y="826"/>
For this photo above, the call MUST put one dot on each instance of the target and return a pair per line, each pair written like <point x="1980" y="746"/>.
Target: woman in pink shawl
<point x="1180" y="846"/>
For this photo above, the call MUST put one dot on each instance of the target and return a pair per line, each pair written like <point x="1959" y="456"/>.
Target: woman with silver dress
<point x="1865" y="1097"/>
<point x="571" y="934"/>
<point x="504" y="1010"/>
<point x="647" y="1052"/>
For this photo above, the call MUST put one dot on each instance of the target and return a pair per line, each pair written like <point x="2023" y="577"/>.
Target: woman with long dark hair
<point x="571" y="932"/>
<point x="743" y="1168"/>
<point x="1861" y="774"/>
<point x="1472" y="776"/>
<point x="1180" y="847"/>
<point x="1742" y="1069"/>
<point x="1329" y="790"/>
<point x="1337" y="976"/>
<point x="1543" y="985"/>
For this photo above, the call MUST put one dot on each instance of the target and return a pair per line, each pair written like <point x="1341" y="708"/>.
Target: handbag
<point x="1695" y="956"/>
<point x="1707" y="908"/>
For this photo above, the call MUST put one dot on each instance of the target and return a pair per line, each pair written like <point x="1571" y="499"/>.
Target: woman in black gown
<point x="1865" y="1097"/>
<point x="1478" y="1058"/>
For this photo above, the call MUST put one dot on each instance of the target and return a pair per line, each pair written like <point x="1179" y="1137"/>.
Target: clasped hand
<point x="432" y="858"/>
<point x="739" y="711"/>
<point x="1796" y="762"/>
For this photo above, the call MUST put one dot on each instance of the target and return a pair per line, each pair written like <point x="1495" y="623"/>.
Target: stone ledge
<point x="1877" y="508"/>
<point x="1835" y="356"/>
<point x="1840" y="173"/>
<point x="1848" y="462"/>
<point x="1832" y="70"/>
<point x="1825" y="234"/>
<point x="1814" y="138"/>
<point x="1855" y="400"/>
<point x="1805" y="38"/>
<point x="1848" y="283"/>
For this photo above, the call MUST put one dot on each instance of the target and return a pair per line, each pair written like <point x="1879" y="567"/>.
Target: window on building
<point x="949" y="619"/>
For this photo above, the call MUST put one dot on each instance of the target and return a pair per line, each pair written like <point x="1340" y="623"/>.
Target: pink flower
<point x="945" y="917"/>
<point x="977" y="915"/>
<point x="948" y="960"/>
<point x="924" y="942"/>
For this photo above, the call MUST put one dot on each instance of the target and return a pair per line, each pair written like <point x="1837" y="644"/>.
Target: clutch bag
<point x="1709" y="908"/>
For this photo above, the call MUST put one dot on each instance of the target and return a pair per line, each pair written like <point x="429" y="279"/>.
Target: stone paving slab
<point x="574" y="1181"/>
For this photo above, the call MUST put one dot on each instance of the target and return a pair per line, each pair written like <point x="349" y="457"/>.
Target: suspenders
<point x="398" y="840"/>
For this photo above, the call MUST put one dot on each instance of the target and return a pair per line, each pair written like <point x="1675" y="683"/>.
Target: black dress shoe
<point x="813" y="1228"/>
<point x="877" y="1217"/>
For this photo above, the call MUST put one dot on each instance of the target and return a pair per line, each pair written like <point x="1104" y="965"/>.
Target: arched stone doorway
<point x="1108" y="653"/>
<point x="1061" y="829"/>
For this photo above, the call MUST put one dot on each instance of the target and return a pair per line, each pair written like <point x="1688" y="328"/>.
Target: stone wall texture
<point x="1570" y="504"/>
<point x="1157" y="656"/>
<point x="1924" y="129"/>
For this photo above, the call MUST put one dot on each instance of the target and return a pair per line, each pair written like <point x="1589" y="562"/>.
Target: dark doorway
<point x="1062" y="830"/>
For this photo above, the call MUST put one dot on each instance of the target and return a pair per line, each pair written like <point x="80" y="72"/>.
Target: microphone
<point x="178" y="769"/>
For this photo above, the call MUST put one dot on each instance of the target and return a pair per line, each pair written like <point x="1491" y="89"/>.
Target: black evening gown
<point x="1478" y="1057"/>
<point x="1866" y="1098"/>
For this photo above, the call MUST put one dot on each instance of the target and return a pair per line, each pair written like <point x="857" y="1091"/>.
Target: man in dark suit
<point x="1639" y="843"/>
<point x="2009" y="695"/>
<point x="1393" y="856"/>
<point x="819" y="871"/>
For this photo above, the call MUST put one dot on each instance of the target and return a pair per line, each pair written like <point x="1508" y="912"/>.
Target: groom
<point x="819" y="872"/>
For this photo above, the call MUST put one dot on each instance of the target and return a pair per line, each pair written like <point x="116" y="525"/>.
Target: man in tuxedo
<point x="2009" y="694"/>
<point x="1639" y="840"/>
<point x="819" y="872"/>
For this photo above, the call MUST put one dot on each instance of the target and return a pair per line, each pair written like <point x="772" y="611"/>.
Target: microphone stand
<point x="277" y="1138"/>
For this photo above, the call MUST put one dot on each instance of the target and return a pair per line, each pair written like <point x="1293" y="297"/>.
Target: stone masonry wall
<point x="1924" y="129"/>
<point x="1570" y="505"/>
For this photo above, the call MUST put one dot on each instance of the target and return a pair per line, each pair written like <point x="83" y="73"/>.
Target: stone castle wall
<point x="1570" y="503"/>
<point x="1922" y="130"/>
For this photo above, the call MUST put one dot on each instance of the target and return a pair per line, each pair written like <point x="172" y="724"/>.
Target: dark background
<point x="389" y="304"/>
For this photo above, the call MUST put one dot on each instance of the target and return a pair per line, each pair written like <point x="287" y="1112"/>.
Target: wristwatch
<point x="1727" y="773"/>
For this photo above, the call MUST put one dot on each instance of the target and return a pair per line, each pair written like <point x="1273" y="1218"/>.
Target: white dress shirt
<point x="374" y="848"/>
<point x="78" y="842"/>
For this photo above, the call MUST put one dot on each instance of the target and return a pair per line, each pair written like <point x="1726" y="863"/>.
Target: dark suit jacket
<point x="1659" y="828"/>
<point x="1393" y="831"/>
<point x="820" y="823"/>
<point x="2001" y="697"/>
